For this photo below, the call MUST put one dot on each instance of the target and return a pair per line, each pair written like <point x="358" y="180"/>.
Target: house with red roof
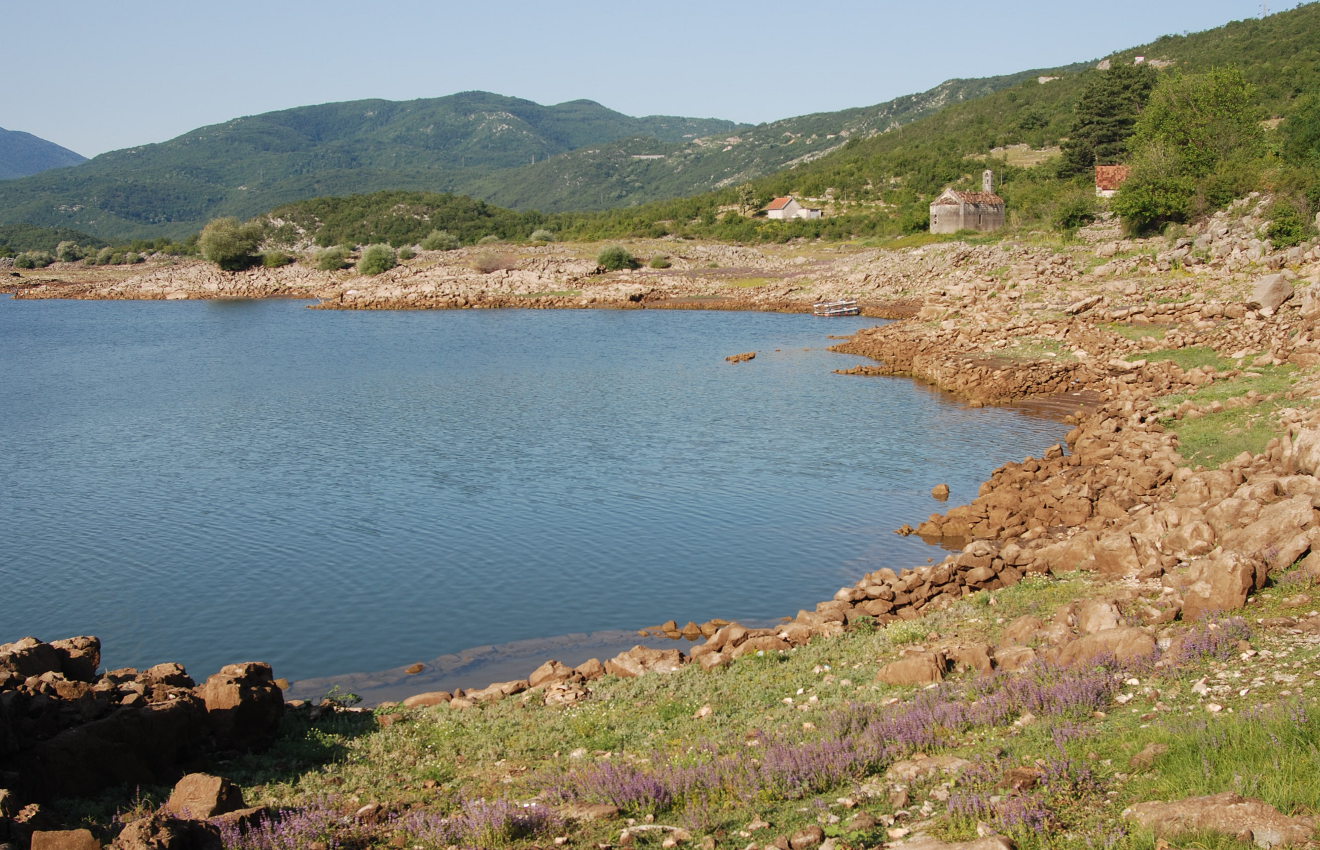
<point x="1108" y="178"/>
<point x="787" y="207"/>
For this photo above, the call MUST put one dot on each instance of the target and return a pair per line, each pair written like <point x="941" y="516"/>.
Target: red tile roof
<point x="780" y="203"/>
<point x="968" y="198"/>
<point x="1109" y="177"/>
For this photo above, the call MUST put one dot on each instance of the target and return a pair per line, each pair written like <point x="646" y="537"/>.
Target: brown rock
<point x="926" y="842"/>
<point x="589" y="811"/>
<point x="427" y="699"/>
<point x="1226" y="813"/>
<point x="199" y="796"/>
<point x="1269" y="293"/>
<point x="64" y="839"/>
<point x="163" y="832"/>
<point x="1013" y="658"/>
<point x="1096" y="615"/>
<point x="1147" y="756"/>
<point x="1220" y="582"/>
<point x="590" y="669"/>
<point x="921" y="766"/>
<point x="808" y="838"/>
<point x="940" y="491"/>
<point x="1023" y="630"/>
<point x="1125" y="643"/>
<point x="641" y="660"/>
<point x="81" y="657"/>
<point x="917" y="668"/>
<point x="970" y="656"/>
<point x="552" y="671"/>
<point x="244" y="705"/>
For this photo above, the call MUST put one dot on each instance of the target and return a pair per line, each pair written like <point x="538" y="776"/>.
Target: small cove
<point x="210" y="482"/>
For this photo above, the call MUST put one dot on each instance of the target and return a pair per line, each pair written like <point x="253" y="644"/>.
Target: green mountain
<point x="251" y="164"/>
<point x="23" y="154"/>
<point x="635" y="171"/>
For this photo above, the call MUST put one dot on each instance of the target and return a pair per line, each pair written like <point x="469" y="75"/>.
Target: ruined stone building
<point x="954" y="210"/>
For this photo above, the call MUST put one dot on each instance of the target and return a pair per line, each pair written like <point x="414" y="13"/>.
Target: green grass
<point x="1038" y="349"/>
<point x="1265" y="380"/>
<point x="1186" y="358"/>
<point x="748" y="282"/>
<point x="1214" y="438"/>
<point x="1137" y="332"/>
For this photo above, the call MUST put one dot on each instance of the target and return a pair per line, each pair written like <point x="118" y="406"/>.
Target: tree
<point x="1204" y="120"/>
<point x="376" y="259"/>
<point x="230" y="244"/>
<point x="1299" y="136"/>
<point x="615" y="258"/>
<point x="1106" y="114"/>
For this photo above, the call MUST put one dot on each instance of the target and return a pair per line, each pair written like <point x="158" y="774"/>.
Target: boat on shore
<point x="835" y="308"/>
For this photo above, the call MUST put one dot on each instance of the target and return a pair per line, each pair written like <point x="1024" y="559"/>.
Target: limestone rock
<point x="1218" y="583"/>
<point x="244" y="705"/>
<point x="641" y="660"/>
<point x="199" y="796"/>
<point x="1269" y="293"/>
<point x="428" y="698"/>
<point x="926" y="842"/>
<point x="64" y="839"/>
<point x="915" y="668"/>
<point x="1226" y="813"/>
<point x="1125" y="643"/>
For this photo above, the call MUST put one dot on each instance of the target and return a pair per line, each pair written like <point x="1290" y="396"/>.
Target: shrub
<point x="1076" y="209"/>
<point x="275" y="259"/>
<point x="230" y="244"/>
<point x="103" y="256"/>
<point x="660" y="262"/>
<point x="1288" y="225"/>
<point x="376" y="259"/>
<point x="616" y="257"/>
<point x="542" y="236"/>
<point x="489" y="261"/>
<point x="439" y="240"/>
<point x="33" y="260"/>
<point x="406" y="253"/>
<point x="332" y="259"/>
<point x="68" y="251"/>
<point x="489" y="239"/>
<point x="132" y="258"/>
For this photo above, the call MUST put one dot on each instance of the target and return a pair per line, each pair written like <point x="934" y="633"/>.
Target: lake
<point x="209" y="482"/>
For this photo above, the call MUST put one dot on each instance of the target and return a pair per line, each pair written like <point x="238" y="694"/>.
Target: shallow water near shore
<point x="209" y="482"/>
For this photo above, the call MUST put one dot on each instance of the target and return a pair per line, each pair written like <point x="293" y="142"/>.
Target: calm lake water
<point x="208" y="482"/>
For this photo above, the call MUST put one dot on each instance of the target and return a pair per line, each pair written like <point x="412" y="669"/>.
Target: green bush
<point x="69" y="251"/>
<point x="439" y="240"/>
<point x="275" y="259"/>
<point x="230" y="244"/>
<point x="33" y="260"/>
<point x="376" y="259"/>
<point x="542" y="236"/>
<point x="1076" y="209"/>
<point x="406" y="253"/>
<point x="1288" y="225"/>
<point x="660" y="261"/>
<point x="104" y="255"/>
<point x="132" y="258"/>
<point x="615" y="258"/>
<point x="332" y="259"/>
<point x="489" y="239"/>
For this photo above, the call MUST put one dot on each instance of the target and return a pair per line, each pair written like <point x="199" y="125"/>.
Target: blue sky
<point x="97" y="76"/>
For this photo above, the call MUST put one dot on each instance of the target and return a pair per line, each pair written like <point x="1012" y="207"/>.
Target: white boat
<point x="835" y="308"/>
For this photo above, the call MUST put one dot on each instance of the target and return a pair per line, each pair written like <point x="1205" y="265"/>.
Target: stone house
<point x="1108" y="178"/>
<point x="954" y="210"/>
<point x="787" y="207"/>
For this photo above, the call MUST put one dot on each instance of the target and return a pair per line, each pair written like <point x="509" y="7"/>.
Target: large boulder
<point x="244" y="705"/>
<point x="1227" y="813"/>
<point x="1218" y="583"/>
<point x="64" y="839"/>
<point x="1125" y="643"/>
<point x="199" y="796"/>
<point x="1269" y="293"/>
<point x="921" y="667"/>
<point x="641" y="660"/>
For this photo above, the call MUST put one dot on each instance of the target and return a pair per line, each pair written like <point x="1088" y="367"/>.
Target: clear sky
<point x="96" y="76"/>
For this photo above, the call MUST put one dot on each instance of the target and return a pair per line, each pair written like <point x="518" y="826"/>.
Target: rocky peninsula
<point x="1124" y="611"/>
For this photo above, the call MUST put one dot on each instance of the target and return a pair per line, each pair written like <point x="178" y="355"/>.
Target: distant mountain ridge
<point x="254" y="163"/>
<point x="23" y="154"/>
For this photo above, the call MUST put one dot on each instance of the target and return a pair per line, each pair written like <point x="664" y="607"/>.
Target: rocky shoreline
<point x="1090" y="327"/>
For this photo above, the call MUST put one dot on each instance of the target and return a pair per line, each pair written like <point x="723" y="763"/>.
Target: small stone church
<point x="953" y="210"/>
